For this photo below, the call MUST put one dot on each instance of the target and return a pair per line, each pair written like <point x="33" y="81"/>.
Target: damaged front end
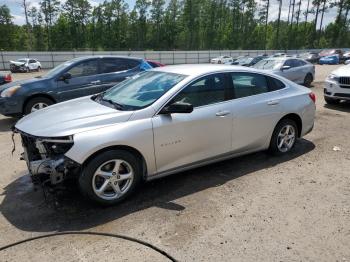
<point x="46" y="160"/>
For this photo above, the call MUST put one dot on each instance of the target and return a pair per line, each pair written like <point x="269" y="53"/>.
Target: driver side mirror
<point x="178" y="107"/>
<point x="65" y="77"/>
<point x="285" y="68"/>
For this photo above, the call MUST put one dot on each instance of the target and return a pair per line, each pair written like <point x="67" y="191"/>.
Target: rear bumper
<point x="334" y="90"/>
<point x="10" y="106"/>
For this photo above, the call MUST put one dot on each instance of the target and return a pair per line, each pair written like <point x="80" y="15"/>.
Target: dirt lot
<point x="253" y="208"/>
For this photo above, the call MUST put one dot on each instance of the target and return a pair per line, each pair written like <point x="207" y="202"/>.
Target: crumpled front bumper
<point x="46" y="162"/>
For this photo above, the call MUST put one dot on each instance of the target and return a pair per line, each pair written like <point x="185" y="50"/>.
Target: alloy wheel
<point x="113" y="179"/>
<point x="38" y="106"/>
<point x="286" y="138"/>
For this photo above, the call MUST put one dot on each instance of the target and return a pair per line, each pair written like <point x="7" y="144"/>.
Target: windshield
<point x="22" y="60"/>
<point x="268" y="64"/>
<point x="244" y="60"/>
<point x="141" y="90"/>
<point x="57" y="69"/>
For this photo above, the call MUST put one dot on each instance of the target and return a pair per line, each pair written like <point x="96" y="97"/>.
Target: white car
<point x="162" y="122"/>
<point x="337" y="85"/>
<point x="25" y="65"/>
<point x="222" y="60"/>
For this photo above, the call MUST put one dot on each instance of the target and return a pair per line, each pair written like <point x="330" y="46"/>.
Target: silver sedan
<point x="162" y="122"/>
<point x="294" y="69"/>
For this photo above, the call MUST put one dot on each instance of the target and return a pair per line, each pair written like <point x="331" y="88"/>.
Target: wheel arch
<point x="35" y="96"/>
<point x="129" y="149"/>
<point x="297" y="119"/>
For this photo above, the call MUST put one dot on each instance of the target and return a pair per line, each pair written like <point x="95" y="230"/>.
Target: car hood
<point x="71" y="117"/>
<point x="342" y="71"/>
<point x="17" y="63"/>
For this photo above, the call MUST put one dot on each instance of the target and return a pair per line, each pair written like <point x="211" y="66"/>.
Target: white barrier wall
<point x="52" y="59"/>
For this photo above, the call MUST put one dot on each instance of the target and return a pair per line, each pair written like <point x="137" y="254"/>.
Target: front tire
<point x="284" y="137"/>
<point x="111" y="177"/>
<point x="36" y="103"/>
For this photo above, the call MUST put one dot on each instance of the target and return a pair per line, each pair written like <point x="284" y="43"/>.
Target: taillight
<point x="8" y="78"/>
<point x="312" y="97"/>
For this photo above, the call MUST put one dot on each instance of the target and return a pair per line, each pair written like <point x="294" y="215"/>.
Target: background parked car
<point x="337" y="85"/>
<point x="294" y="69"/>
<point x="331" y="52"/>
<point x="311" y="57"/>
<point x="5" y="78"/>
<point x="248" y="61"/>
<point x="222" y="60"/>
<point x="329" y="60"/>
<point x="25" y="65"/>
<point x="75" y="78"/>
<point x="154" y="64"/>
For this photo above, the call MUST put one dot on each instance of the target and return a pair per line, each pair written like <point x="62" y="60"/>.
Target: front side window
<point x="204" y="91"/>
<point x="85" y="68"/>
<point x="141" y="90"/>
<point x="290" y="63"/>
<point x="248" y="84"/>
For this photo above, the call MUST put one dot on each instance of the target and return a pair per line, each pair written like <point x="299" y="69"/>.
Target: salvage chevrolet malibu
<point x="162" y="122"/>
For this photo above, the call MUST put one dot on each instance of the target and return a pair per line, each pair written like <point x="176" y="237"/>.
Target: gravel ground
<point x="252" y="208"/>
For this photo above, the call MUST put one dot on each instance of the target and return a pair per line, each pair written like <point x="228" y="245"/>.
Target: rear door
<point x="116" y="70"/>
<point x="85" y="80"/>
<point x="256" y="109"/>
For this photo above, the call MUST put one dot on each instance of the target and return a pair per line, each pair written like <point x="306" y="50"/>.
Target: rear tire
<point x="284" y="137"/>
<point x="103" y="169"/>
<point x="331" y="101"/>
<point x="308" y="80"/>
<point x="39" y="69"/>
<point x="36" y="103"/>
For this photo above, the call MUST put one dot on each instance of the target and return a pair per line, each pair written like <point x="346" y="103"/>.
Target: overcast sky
<point x="17" y="11"/>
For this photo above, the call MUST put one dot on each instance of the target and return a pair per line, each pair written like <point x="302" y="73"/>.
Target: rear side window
<point x="248" y="84"/>
<point x="275" y="84"/>
<point x="133" y="63"/>
<point x="111" y="65"/>
<point x="32" y="61"/>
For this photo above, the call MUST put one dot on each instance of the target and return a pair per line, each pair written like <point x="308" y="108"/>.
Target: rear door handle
<point x="95" y="82"/>
<point x="273" y="102"/>
<point x="222" y="113"/>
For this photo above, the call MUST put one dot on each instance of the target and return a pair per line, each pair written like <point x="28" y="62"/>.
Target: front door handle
<point x="273" y="102"/>
<point x="222" y="113"/>
<point x="95" y="82"/>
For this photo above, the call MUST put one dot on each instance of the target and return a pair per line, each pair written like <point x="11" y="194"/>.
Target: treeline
<point x="174" y="24"/>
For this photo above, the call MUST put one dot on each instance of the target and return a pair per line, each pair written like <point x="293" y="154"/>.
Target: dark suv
<point x="75" y="78"/>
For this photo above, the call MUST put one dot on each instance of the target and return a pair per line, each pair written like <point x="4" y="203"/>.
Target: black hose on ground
<point x="141" y="242"/>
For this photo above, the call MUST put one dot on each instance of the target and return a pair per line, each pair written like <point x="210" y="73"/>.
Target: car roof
<point x="200" y="69"/>
<point x="104" y="56"/>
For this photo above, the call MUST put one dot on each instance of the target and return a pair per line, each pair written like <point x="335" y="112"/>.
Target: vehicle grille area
<point x="344" y="81"/>
<point x="45" y="158"/>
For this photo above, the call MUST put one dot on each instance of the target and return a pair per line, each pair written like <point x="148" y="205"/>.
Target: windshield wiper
<point x="115" y="104"/>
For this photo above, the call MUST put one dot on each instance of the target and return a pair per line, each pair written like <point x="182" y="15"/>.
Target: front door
<point x="183" y="139"/>
<point x="84" y="81"/>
